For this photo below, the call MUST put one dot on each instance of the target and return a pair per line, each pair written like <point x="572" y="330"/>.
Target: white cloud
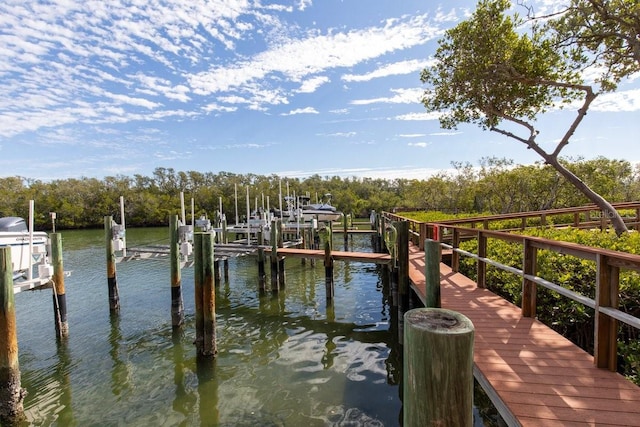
<point x="628" y="100"/>
<point x="312" y="84"/>
<point x="307" y="110"/>
<point x="420" y="116"/>
<point x="397" y="68"/>
<point x="419" y="144"/>
<point x="402" y="96"/>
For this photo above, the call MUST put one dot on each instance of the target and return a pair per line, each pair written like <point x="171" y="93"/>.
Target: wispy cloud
<point x="397" y="68"/>
<point x="307" y="110"/>
<point x="402" y="96"/>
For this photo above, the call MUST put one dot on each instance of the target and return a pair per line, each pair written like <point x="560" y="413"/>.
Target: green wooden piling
<point x="177" y="305"/>
<point x="198" y="281"/>
<point x="438" y="369"/>
<point x="112" y="283"/>
<point x="11" y="394"/>
<point x="432" y="256"/>
<point x="210" y="348"/>
<point x="59" y="296"/>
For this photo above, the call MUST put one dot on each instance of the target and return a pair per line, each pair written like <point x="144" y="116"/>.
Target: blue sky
<point x="94" y="88"/>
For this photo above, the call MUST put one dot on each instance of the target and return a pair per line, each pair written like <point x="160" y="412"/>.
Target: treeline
<point x="494" y="186"/>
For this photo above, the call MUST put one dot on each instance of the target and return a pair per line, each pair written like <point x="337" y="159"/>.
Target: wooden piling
<point x="112" y="283"/>
<point x="11" y="393"/>
<point x="438" y="369"/>
<point x="328" y="266"/>
<point x="432" y="256"/>
<point x="177" y="305"/>
<point x="281" y="259"/>
<point x="275" y="232"/>
<point x="59" y="296"/>
<point x="198" y="281"/>
<point x="210" y="347"/>
<point x="404" y="289"/>
<point x="261" y="270"/>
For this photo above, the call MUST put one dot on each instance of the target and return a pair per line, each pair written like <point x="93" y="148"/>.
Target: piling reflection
<point x="120" y="371"/>
<point x="207" y="392"/>
<point x="63" y="368"/>
<point x="185" y="400"/>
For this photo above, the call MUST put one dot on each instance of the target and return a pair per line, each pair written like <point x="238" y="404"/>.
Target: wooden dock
<point x="533" y="375"/>
<point x="376" y="258"/>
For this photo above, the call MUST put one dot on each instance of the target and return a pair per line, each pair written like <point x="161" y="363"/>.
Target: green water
<point x="284" y="359"/>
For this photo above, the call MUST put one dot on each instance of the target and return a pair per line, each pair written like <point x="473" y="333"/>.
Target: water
<point x="284" y="360"/>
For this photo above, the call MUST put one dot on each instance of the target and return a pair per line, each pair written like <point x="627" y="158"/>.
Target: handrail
<point x="608" y="265"/>
<point x="589" y="222"/>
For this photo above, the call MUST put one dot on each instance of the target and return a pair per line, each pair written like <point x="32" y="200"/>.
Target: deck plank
<point x="541" y="377"/>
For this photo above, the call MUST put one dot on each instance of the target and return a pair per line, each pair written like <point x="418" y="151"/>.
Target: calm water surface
<point x="284" y="360"/>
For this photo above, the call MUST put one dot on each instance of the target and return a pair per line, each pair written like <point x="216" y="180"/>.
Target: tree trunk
<point x="607" y="209"/>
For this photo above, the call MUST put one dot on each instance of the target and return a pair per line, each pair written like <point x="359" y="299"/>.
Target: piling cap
<point x="439" y="321"/>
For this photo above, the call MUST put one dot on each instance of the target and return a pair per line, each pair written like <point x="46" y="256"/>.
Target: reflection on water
<point x="284" y="359"/>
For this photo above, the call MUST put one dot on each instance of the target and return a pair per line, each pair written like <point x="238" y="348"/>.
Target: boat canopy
<point x="13" y="223"/>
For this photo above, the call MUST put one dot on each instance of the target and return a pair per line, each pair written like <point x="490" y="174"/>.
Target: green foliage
<point x="569" y="318"/>
<point x="495" y="187"/>
<point x="486" y="70"/>
<point x="434" y="216"/>
<point x="606" y="31"/>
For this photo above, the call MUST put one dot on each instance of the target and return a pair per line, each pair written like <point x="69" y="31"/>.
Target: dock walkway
<point x="533" y="375"/>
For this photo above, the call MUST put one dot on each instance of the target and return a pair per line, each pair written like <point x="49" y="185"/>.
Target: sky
<point x="96" y="88"/>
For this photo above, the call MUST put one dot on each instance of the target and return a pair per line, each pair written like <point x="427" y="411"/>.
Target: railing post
<point x="455" y="256"/>
<point x="423" y="235"/>
<point x="606" y="328"/>
<point x="529" y="288"/>
<point x="481" y="272"/>
<point x="432" y="259"/>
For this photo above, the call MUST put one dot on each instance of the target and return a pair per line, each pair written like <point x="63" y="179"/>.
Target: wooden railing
<point x="608" y="265"/>
<point x="588" y="216"/>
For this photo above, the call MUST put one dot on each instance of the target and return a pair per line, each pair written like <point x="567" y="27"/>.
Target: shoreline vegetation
<point x="493" y="186"/>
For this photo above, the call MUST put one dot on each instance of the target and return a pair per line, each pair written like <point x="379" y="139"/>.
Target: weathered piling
<point x="438" y="368"/>
<point x="205" y="300"/>
<point x="281" y="270"/>
<point x="11" y="394"/>
<point x="198" y="280"/>
<point x="432" y="257"/>
<point x="59" y="295"/>
<point x="328" y="264"/>
<point x="112" y="283"/>
<point x="177" y="305"/>
<point x="210" y="347"/>
<point x="275" y="235"/>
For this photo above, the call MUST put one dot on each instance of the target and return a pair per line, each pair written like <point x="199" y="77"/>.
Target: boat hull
<point x="21" y="257"/>
<point x="321" y="215"/>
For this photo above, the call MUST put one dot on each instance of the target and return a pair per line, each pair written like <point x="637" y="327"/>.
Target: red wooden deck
<point x="533" y="375"/>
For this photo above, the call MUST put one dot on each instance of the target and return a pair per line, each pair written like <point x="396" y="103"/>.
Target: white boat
<point x="27" y="248"/>
<point x="323" y="212"/>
